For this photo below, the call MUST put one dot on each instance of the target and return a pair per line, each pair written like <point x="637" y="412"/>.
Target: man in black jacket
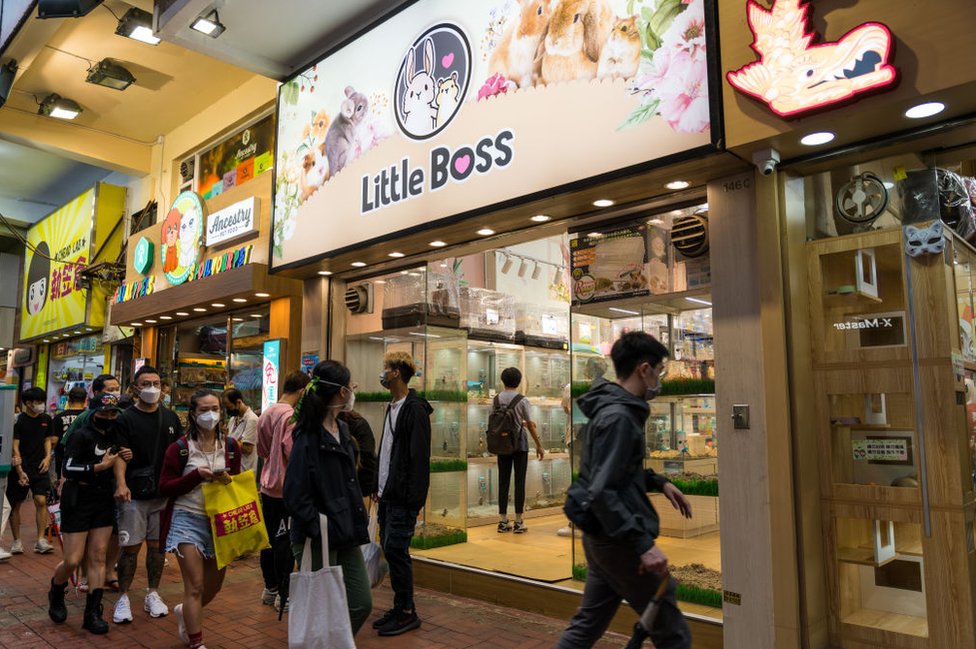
<point x="403" y="480"/>
<point x="623" y="561"/>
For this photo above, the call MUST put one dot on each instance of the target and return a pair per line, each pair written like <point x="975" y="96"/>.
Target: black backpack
<point x="503" y="427"/>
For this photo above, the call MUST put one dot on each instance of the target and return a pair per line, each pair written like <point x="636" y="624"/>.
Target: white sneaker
<point x="277" y="604"/>
<point x="268" y="596"/>
<point x="181" y="624"/>
<point x="155" y="606"/>
<point x="4" y="555"/>
<point x="42" y="546"/>
<point x="17" y="547"/>
<point x="123" y="611"/>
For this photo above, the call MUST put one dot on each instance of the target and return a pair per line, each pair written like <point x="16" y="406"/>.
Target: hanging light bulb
<point x="523" y="268"/>
<point x="507" y="264"/>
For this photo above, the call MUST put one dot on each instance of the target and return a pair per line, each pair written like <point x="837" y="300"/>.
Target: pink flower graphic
<point x="679" y="81"/>
<point x="496" y="84"/>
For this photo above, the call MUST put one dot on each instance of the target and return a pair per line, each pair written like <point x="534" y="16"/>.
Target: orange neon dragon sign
<point x="794" y="75"/>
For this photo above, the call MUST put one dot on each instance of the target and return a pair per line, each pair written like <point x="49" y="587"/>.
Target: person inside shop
<point x="202" y="456"/>
<point x="167" y="387"/>
<point x="609" y="502"/>
<point x="77" y="400"/>
<point x="242" y="426"/>
<point x="403" y="481"/>
<point x="274" y="446"/>
<point x="513" y="406"/>
<point x="31" y="458"/>
<point x="88" y="508"/>
<point x="321" y="479"/>
<point x="148" y="429"/>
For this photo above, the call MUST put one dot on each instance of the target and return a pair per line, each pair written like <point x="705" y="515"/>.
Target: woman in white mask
<point x="202" y="455"/>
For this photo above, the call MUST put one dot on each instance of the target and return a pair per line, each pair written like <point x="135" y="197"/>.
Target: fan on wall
<point x="861" y="201"/>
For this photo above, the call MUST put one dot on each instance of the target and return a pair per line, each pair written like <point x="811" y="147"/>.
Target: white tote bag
<point x="318" y="613"/>
<point x="373" y="555"/>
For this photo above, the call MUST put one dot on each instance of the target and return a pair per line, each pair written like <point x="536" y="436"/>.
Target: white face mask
<point x="150" y="395"/>
<point x="208" y="420"/>
<point x="349" y="405"/>
<point x="38" y="408"/>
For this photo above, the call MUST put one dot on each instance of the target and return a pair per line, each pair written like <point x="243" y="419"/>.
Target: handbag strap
<point x="324" y="535"/>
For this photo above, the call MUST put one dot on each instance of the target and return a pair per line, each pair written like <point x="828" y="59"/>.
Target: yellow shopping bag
<point x="236" y="518"/>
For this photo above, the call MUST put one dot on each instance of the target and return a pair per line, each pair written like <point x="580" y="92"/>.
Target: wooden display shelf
<point x="850" y="299"/>
<point x="862" y="556"/>
<point x="891" y="622"/>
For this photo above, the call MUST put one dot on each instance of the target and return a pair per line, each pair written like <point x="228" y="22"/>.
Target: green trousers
<point x="358" y="592"/>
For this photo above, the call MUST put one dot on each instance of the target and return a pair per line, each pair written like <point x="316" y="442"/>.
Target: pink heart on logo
<point x="461" y="164"/>
<point x="447" y="59"/>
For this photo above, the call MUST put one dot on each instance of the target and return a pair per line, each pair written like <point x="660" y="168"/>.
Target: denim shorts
<point x="190" y="528"/>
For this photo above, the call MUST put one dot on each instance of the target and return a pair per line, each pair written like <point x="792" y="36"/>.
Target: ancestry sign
<point x="233" y="223"/>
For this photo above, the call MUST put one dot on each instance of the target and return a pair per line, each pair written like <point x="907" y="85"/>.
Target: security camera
<point x="766" y="161"/>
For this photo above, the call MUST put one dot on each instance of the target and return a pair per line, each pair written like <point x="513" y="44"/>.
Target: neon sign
<point x="795" y="75"/>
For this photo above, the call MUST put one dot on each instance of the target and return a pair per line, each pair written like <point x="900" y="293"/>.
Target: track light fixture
<point x="537" y="270"/>
<point x="507" y="265"/>
<point x="523" y="268"/>
<point x="209" y="24"/>
<point x="54" y="105"/>
<point x="137" y="25"/>
<point x="557" y="274"/>
<point x="110" y="74"/>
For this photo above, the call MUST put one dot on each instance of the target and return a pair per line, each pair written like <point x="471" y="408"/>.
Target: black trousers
<point x="519" y="460"/>
<point x="397" y="524"/>
<point x="277" y="561"/>
<point x="612" y="576"/>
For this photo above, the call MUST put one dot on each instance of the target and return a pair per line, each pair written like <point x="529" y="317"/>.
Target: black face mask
<point x="234" y="412"/>
<point x="103" y="424"/>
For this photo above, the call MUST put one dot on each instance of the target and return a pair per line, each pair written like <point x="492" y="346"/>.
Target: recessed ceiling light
<point x="209" y="24"/>
<point x="150" y="321"/>
<point x="486" y="232"/>
<point x="165" y="317"/>
<point x="200" y="309"/>
<point x="438" y="244"/>
<point x="137" y="25"/>
<point x="541" y="218"/>
<point x="182" y="314"/>
<point x="928" y="109"/>
<point x="678" y="184"/>
<point x="218" y="305"/>
<point x="237" y="319"/>
<point x="46" y="340"/>
<point x="358" y="264"/>
<point x="396" y="255"/>
<point x="136" y="324"/>
<point x="54" y="105"/>
<point x="262" y="295"/>
<point x="256" y="315"/>
<point x="325" y="273"/>
<point x="603" y="202"/>
<point x="816" y="139"/>
<point x="240" y="300"/>
<point x="77" y="333"/>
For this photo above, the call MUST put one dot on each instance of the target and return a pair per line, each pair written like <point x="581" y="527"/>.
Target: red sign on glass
<point x="796" y="75"/>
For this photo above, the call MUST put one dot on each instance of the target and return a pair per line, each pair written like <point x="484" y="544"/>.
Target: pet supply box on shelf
<point x="419" y="299"/>
<point x="487" y="315"/>
<point x="542" y="326"/>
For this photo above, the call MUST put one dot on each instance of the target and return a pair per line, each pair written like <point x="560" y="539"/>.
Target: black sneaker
<point x="385" y="618"/>
<point x="520" y="527"/>
<point x="400" y="623"/>
<point x="504" y="526"/>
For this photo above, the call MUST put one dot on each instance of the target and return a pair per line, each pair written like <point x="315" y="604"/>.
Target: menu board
<point x="622" y="263"/>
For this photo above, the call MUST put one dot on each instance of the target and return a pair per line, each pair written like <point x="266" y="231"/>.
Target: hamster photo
<point x="620" y="56"/>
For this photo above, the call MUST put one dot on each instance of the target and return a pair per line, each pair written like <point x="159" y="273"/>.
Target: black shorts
<point x="85" y="508"/>
<point x="40" y="485"/>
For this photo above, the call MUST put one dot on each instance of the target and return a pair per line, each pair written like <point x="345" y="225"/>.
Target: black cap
<point x="104" y="402"/>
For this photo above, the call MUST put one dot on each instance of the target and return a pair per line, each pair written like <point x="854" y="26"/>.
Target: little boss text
<point x="399" y="182"/>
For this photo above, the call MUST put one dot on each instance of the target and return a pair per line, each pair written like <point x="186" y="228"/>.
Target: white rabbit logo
<point x="440" y="56"/>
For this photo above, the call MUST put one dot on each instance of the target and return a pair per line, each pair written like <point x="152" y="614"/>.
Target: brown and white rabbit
<point x="419" y="109"/>
<point x="517" y="55"/>
<point x="577" y="32"/>
<point x="621" y="55"/>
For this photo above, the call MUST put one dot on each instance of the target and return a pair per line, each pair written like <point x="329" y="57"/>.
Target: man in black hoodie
<point x="403" y="481"/>
<point x="623" y="561"/>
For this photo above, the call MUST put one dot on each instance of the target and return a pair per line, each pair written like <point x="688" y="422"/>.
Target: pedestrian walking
<point x="31" y="458"/>
<point x="609" y="502"/>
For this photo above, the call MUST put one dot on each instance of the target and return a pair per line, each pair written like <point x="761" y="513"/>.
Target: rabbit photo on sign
<point x="518" y="55"/>
<point x="621" y="54"/>
<point x="577" y="33"/>
<point x="341" y="136"/>
<point x="419" y="110"/>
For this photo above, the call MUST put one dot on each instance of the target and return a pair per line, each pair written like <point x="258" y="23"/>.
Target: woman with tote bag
<point x="321" y="480"/>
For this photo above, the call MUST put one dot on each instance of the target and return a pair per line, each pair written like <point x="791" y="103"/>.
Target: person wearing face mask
<point x="101" y="383"/>
<point x="242" y="426"/>
<point x="31" y="458"/>
<point x="321" y="478"/>
<point x="201" y="456"/>
<point x="623" y="561"/>
<point x="148" y="429"/>
<point x="77" y="399"/>
<point x="87" y="508"/>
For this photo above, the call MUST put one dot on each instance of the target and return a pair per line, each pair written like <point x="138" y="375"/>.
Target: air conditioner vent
<point x="359" y="298"/>
<point x="689" y="235"/>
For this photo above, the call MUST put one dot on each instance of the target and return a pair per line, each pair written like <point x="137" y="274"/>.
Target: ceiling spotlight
<point x="540" y="218"/>
<point x="438" y="244"/>
<point x="200" y="309"/>
<point x="537" y="271"/>
<point x="678" y="184"/>
<point x="136" y="324"/>
<point x="523" y="268"/>
<point x="927" y="109"/>
<point x="603" y="202"/>
<point x="240" y="300"/>
<point x="150" y="321"/>
<point x="486" y="232"/>
<point x="137" y="25"/>
<point x="256" y="315"/>
<point x="816" y="139"/>
<point x="358" y="264"/>
<point x="209" y="24"/>
<point x="325" y="273"/>
<point x="262" y="295"/>
<point x="110" y="74"/>
<point x="396" y="255"/>
<point x="165" y="317"/>
<point x="218" y="305"/>
<point x="54" y="105"/>
<point x="65" y="8"/>
<point x="507" y="264"/>
<point x="182" y="314"/>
